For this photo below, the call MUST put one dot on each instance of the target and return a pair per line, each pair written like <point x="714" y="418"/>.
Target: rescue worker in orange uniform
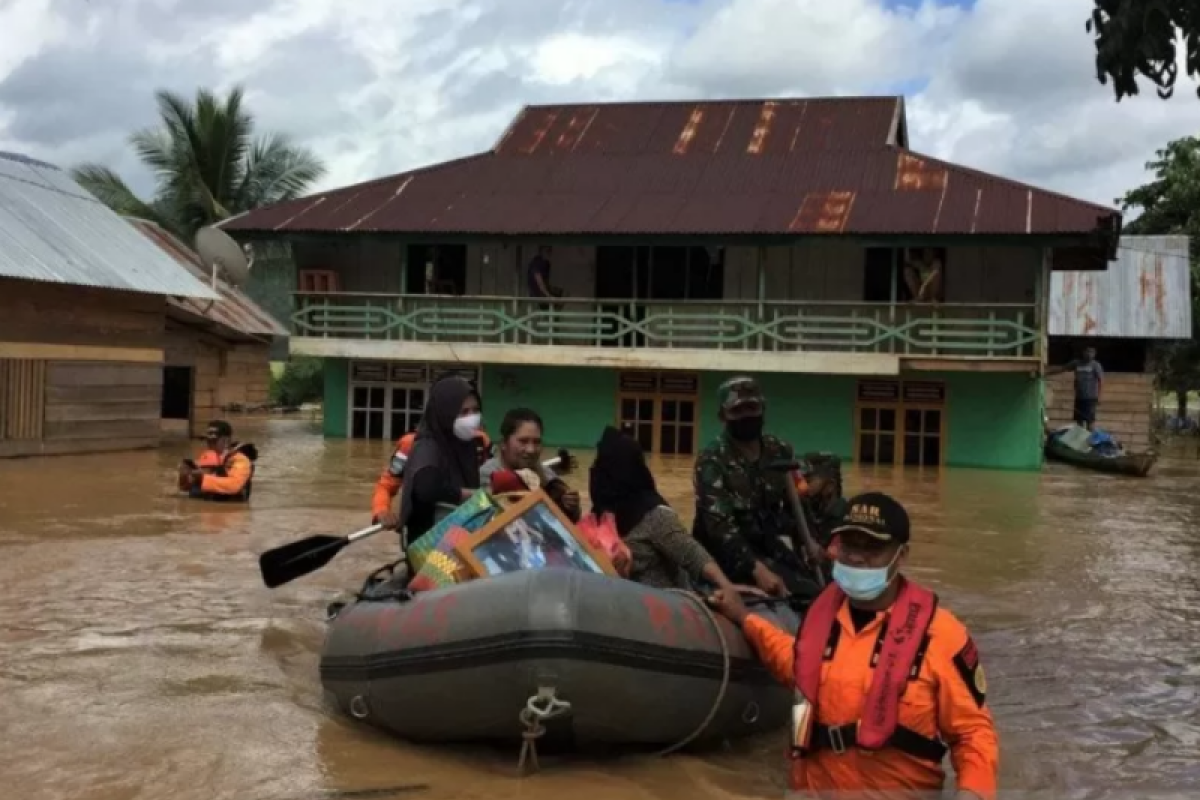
<point x="391" y="480"/>
<point x="225" y="470"/>
<point x="886" y="681"/>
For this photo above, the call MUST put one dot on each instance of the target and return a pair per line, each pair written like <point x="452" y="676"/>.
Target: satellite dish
<point x="218" y="251"/>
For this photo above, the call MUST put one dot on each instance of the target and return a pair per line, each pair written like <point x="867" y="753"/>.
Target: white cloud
<point x="378" y="86"/>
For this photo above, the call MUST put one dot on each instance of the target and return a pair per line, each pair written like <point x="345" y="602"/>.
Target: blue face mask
<point x="864" y="584"/>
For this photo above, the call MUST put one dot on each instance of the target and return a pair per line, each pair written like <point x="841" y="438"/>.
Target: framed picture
<point x="530" y="534"/>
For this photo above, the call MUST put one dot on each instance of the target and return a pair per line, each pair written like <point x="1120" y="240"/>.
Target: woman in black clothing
<point x="443" y="467"/>
<point x="664" y="554"/>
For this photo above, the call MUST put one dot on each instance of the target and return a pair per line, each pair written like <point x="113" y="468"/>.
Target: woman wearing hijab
<point x="443" y="467"/>
<point x="664" y="554"/>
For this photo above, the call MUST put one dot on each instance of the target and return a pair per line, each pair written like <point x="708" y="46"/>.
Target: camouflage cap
<point x="739" y="391"/>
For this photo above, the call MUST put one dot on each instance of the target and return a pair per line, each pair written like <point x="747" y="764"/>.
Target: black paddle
<point x="294" y="560"/>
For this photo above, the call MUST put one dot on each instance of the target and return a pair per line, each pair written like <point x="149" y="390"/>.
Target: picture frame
<point x="531" y="533"/>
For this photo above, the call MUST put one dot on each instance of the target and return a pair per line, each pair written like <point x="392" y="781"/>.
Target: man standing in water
<point x="743" y="510"/>
<point x="872" y="637"/>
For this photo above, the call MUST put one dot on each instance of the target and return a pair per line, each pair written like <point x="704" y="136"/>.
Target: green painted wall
<point x="337" y="397"/>
<point x="811" y="412"/>
<point x="995" y="420"/>
<point x="574" y="402"/>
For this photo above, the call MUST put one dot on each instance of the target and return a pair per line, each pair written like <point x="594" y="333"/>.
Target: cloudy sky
<point x="379" y="86"/>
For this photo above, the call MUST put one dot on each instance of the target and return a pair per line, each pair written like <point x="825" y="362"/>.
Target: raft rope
<point x="545" y="705"/>
<point x="726" y="668"/>
<point x="542" y="706"/>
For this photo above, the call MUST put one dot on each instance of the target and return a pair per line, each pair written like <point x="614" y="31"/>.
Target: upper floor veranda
<point x="836" y="305"/>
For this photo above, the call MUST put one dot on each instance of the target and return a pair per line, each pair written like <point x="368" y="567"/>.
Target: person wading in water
<point x="886" y="680"/>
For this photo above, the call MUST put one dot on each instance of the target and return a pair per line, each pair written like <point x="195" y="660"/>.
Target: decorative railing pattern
<point x="993" y="330"/>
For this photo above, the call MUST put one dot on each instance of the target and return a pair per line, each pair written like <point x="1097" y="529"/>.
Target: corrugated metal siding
<point x="53" y="230"/>
<point x="885" y="190"/>
<point x="1145" y="294"/>
<point x="234" y="310"/>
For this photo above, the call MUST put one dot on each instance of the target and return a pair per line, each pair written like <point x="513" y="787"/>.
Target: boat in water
<point x="586" y="659"/>
<point x="1097" y="451"/>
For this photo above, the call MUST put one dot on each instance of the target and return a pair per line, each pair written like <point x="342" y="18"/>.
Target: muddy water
<point x="140" y="656"/>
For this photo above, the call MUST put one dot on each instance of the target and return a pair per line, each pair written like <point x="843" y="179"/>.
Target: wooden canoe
<point x="1137" y="465"/>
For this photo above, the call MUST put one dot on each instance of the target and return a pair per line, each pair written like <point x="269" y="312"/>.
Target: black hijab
<point x="436" y="446"/>
<point x="620" y="482"/>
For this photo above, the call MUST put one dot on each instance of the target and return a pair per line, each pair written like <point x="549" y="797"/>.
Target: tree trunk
<point x="1181" y="403"/>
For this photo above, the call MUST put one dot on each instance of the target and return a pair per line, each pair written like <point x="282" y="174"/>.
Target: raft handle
<point x="358" y="707"/>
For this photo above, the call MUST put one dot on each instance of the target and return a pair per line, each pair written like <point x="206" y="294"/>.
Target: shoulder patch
<point x="969" y="668"/>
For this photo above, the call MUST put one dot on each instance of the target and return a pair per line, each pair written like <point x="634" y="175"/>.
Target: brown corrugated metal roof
<point x="738" y="127"/>
<point x="234" y="311"/>
<point x="691" y="169"/>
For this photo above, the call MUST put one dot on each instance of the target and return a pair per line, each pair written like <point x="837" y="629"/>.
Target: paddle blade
<point x="291" y="561"/>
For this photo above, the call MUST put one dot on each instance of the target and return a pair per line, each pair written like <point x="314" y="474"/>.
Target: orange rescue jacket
<point x="927" y="698"/>
<point x="391" y="480"/>
<point x="228" y="478"/>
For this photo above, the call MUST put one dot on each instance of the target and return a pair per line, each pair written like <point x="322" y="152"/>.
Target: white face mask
<point x="466" y="427"/>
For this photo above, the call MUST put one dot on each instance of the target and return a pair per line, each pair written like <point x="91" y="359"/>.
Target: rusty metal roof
<point x="821" y="167"/>
<point x="52" y="230"/>
<point x="1145" y="294"/>
<point x="690" y="128"/>
<point x="234" y="312"/>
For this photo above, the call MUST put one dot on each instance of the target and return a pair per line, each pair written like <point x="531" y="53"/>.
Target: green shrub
<point x="302" y="380"/>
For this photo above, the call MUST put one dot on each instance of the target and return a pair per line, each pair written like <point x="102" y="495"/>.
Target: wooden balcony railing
<point x="992" y="330"/>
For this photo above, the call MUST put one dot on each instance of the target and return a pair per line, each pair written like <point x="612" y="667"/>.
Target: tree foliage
<point x="302" y="381"/>
<point x="207" y="163"/>
<point x="1170" y="204"/>
<point x="1140" y="38"/>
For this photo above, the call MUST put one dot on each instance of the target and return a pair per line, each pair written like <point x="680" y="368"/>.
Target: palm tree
<point x="207" y="163"/>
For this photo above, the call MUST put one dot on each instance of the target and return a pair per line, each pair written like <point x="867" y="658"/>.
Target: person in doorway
<point x="391" y="480"/>
<point x="521" y="449"/>
<point x="662" y="552"/>
<point x="743" y="509"/>
<point x="538" y="274"/>
<point x="443" y="467"/>
<point x="225" y="470"/>
<point x="923" y="277"/>
<point x="1089" y="379"/>
<point x="886" y="679"/>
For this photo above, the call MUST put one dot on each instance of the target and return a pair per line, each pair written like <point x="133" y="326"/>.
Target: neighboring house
<point x="83" y="313"/>
<point x="694" y="240"/>
<point x="1144" y="297"/>
<point x="216" y="353"/>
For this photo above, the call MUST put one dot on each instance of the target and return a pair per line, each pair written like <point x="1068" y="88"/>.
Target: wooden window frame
<point x="899" y="406"/>
<point x="658" y="397"/>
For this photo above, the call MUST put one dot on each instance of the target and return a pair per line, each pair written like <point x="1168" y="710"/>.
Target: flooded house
<point x="83" y="299"/>
<point x="216" y="353"/>
<point x="1143" y="298"/>
<point x="791" y="239"/>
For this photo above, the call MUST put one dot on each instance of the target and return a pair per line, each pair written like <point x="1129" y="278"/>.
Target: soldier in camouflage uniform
<point x="743" y="514"/>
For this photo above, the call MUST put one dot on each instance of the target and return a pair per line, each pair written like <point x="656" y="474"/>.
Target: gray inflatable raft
<point x="597" y="661"/>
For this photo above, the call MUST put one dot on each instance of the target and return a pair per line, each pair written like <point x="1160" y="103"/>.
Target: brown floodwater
<point x="141" y="657"/>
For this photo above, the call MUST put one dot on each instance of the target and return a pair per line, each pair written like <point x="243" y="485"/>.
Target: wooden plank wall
<point x="22" y="398"/>
<point x="1125" y="405"/>
<point x="239" y="376"/>
<point x="38" y="312"/>
<point x="95" y="406"/>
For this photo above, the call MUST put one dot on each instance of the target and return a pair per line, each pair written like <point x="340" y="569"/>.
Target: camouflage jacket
<point x="742" y="507"/>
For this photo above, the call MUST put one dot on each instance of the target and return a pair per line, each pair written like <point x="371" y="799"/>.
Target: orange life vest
<point x="211" y="463"/>
<point x="902" y="640"/>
